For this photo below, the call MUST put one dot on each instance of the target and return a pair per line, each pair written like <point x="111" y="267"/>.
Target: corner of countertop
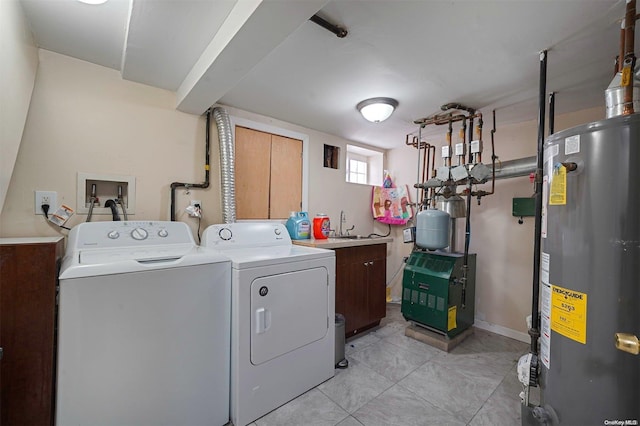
<point x="334" y="243"/>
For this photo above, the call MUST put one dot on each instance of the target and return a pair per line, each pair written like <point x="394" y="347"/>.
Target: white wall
<point x="85" y="118"/>
<point x="17" y="75"/>
<point x="504" y="248"/>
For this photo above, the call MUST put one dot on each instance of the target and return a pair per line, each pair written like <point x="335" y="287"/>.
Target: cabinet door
<point x="351" y="289"/>
<point x="361" y="286"/>
<point x="357" y="297"/>
<point x="28" y="275"/>
<point x="268" y="175"/>
<point x="253" y="167"/>
<point x="286" y="177"/>
<point x="377" y="273"/>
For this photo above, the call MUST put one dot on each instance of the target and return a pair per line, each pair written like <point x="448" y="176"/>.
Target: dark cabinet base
<point x="361" y="273"/>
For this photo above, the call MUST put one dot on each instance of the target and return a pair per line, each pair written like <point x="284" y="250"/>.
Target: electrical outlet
<point x="45" y="197"/>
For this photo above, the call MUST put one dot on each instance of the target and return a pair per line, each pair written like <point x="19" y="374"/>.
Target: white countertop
<point x="30" y="240"/>
<point x="334" y="243"/>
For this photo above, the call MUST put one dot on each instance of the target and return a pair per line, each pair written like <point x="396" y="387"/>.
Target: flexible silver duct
<point x="227" y="165"/>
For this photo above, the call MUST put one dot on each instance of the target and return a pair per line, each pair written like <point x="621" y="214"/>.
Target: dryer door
<point x="288" y="311"/>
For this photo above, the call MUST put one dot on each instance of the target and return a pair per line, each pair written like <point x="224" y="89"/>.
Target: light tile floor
<point x="396" y="380"/>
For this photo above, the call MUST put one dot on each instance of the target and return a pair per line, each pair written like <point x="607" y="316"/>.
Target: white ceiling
<point x="264" y="56"/>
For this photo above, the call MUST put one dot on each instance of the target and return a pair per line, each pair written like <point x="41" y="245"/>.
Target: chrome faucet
<point x="343" y="219"/>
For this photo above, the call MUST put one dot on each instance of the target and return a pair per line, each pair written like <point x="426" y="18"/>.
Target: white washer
<point x="143" y="327"/>
<point x="282" y="315"/>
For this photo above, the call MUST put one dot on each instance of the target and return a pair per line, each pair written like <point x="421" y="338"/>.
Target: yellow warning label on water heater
<point x="558" y="188"/>
<point x="453" y="313"/>
<point x="569" y="313"/>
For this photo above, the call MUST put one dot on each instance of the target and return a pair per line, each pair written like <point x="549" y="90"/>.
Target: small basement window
<point x="364" y="166"/>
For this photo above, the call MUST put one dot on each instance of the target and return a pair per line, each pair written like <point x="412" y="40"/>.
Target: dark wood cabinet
<point x="28" y="280"/>
<point x="361" y="274"/>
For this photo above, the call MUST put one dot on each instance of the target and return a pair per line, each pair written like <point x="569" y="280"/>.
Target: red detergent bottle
<point x="321" y="226"/>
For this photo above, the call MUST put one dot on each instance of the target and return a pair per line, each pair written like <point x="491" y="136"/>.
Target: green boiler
<point x="432" y="291"/>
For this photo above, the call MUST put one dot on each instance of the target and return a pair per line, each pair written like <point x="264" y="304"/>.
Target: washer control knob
<point x="277" y="231"/>
<point x="225" y="234"/>
<point x="113" y="235"/>
<point x="139" y="234"/>
<point x="163" y="233"/>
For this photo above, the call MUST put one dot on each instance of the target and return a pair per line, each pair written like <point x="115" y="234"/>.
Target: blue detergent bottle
<point x="298" y="225"/>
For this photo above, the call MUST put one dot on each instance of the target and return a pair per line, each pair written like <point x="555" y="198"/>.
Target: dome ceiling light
<point x="377" y="109"/>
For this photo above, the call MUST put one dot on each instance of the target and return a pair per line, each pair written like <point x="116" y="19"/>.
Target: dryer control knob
<point x="163" y="233"/>
<point x="277" y="231"/>
<point x="225" y="234"/>
<point x="113" y="235"/>
<point x="139" y="234"/>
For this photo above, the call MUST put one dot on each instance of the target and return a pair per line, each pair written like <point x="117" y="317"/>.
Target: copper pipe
<point x="440" y="119"/>
<point x="425" y="164"/>
<point x="620" y="58"/>
<point x="629" y="57"/>
<point x="449" y="136"/>
<point x="482" y="193"/>
<point x="453" y="105"/>
<point x="414" y="142"/>
<point x="479" y="135"/>
<point x="463" y="137"/>
<point x="470" y="138"/>
<point x="552" y="112"/>
<point x="433" y="161"/>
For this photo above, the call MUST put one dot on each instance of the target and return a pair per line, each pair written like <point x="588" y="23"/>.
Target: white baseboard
<point x="503" y="331"/>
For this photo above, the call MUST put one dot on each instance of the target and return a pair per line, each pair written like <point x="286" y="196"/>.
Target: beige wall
<point x="85" y="118"/>
<point x="17" y="75"/>
<point x="504" y="248"/>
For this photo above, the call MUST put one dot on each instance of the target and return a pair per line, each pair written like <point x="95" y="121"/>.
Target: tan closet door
<point x="286" y="176"/>
<point x="253" y="163"/>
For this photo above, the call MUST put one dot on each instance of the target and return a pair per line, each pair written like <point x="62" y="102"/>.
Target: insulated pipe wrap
<point x="227" y="165"/>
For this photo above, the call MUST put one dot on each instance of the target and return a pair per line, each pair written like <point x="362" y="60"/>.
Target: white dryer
<point x="282" y="315"/>
<point x="143" y="327"/>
